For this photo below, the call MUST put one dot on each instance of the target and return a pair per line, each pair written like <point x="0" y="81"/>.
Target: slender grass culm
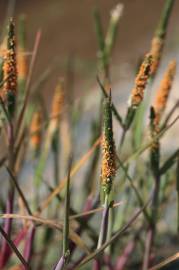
<point x="157" y="110"/>
<point x="66" y="252"/>
<point x="108" y="167"/>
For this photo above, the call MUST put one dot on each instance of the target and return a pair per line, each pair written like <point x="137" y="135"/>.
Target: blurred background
<point x="68" y="29"/>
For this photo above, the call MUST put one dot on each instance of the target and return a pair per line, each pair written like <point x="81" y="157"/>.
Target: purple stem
<point x="17" y="241"/>
<point x="60" y="265"/>
<point x="96" y="265"/>
<point x="148" y="248"/>
<point x="108" y="262"/>
<point x="6" y="250"/>
<point x="29" y="244"/>
<point x="123" y="259"/>
<point x="152" y="226"/>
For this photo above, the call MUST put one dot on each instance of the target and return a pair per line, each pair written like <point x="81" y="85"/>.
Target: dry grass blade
<point x="50" y="223"/>
<point x="170" y="263"/>
<point x="53" y="224"/>
<point x="91" y="212"/>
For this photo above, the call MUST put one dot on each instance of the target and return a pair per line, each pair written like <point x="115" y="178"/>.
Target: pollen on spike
<point x="108" y="168"/>
<point x="9" y="91"/>
<point x="143" y="75"/>
<point x="57" y="102"/>
<point x="163" y="92"/>
<point x="36" y="130"/>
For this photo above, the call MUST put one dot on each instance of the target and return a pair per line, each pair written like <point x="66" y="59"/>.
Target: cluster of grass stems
<point x="126" y="187"/>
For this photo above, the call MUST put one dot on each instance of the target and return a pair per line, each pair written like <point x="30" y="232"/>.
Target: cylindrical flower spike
<point x="57" y="104"/>
<point x="36" y="131"/>
<point x="9" y="91"/>
<point x="163" y="92"/>
<point x="21" y="53"/>
<point x="108" y="169"/>
<point x="22" y="65"/>
<point x="158" y="40"/>
<point x="137" y="94"/>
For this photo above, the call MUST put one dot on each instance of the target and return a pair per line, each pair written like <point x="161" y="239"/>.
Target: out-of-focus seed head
<point x="21" y="53"/>
<point x="9" y="91"/>
<point x="108" y="169"/>
<point x="163" y="92"/>
<point x="137" y="94"/>
<point x="36" y="131"/>
<point x="57" y="102"/>
<point x="22" y="64"/>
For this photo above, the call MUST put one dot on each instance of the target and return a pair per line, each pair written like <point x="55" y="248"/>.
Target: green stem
<point x="104" y="223"/>
<point x="164" y="20"/>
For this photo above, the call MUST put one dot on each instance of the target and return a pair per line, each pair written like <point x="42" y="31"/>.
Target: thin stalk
<point x="56" y="152"/>
<point x="13" y="247"/>
<point x="155" y="167"/>
<point x="107" y="255"/>
<point x="114" y="110"/>
<point x="122" y="139"/>
<point x="67" y="212"/>
<point x="10" y="201"/>
<point x="63" y="260"/>
<point x="124" y="258"/>
<point x="19" y="238"/>
<point x="14" y="181"/>
<point x="152" y="227"/>
<point x="29" y="244"/>
<point x="104" y="223"/>
<point x="164" y="20"/>
<point x="103" y="232"/>
<point x="115" y="236"/>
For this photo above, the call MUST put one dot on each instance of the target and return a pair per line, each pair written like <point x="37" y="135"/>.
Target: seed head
<point x="57" y="103"/>
<point x="9" y="91"/>
<point x="21" y="53"/>
<point x="137" y="94"/>
<point x="36" y="131"/>
<point x="108" y="169"/>
<point x="163" y="92"/>
<point x="22" y="64"/>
